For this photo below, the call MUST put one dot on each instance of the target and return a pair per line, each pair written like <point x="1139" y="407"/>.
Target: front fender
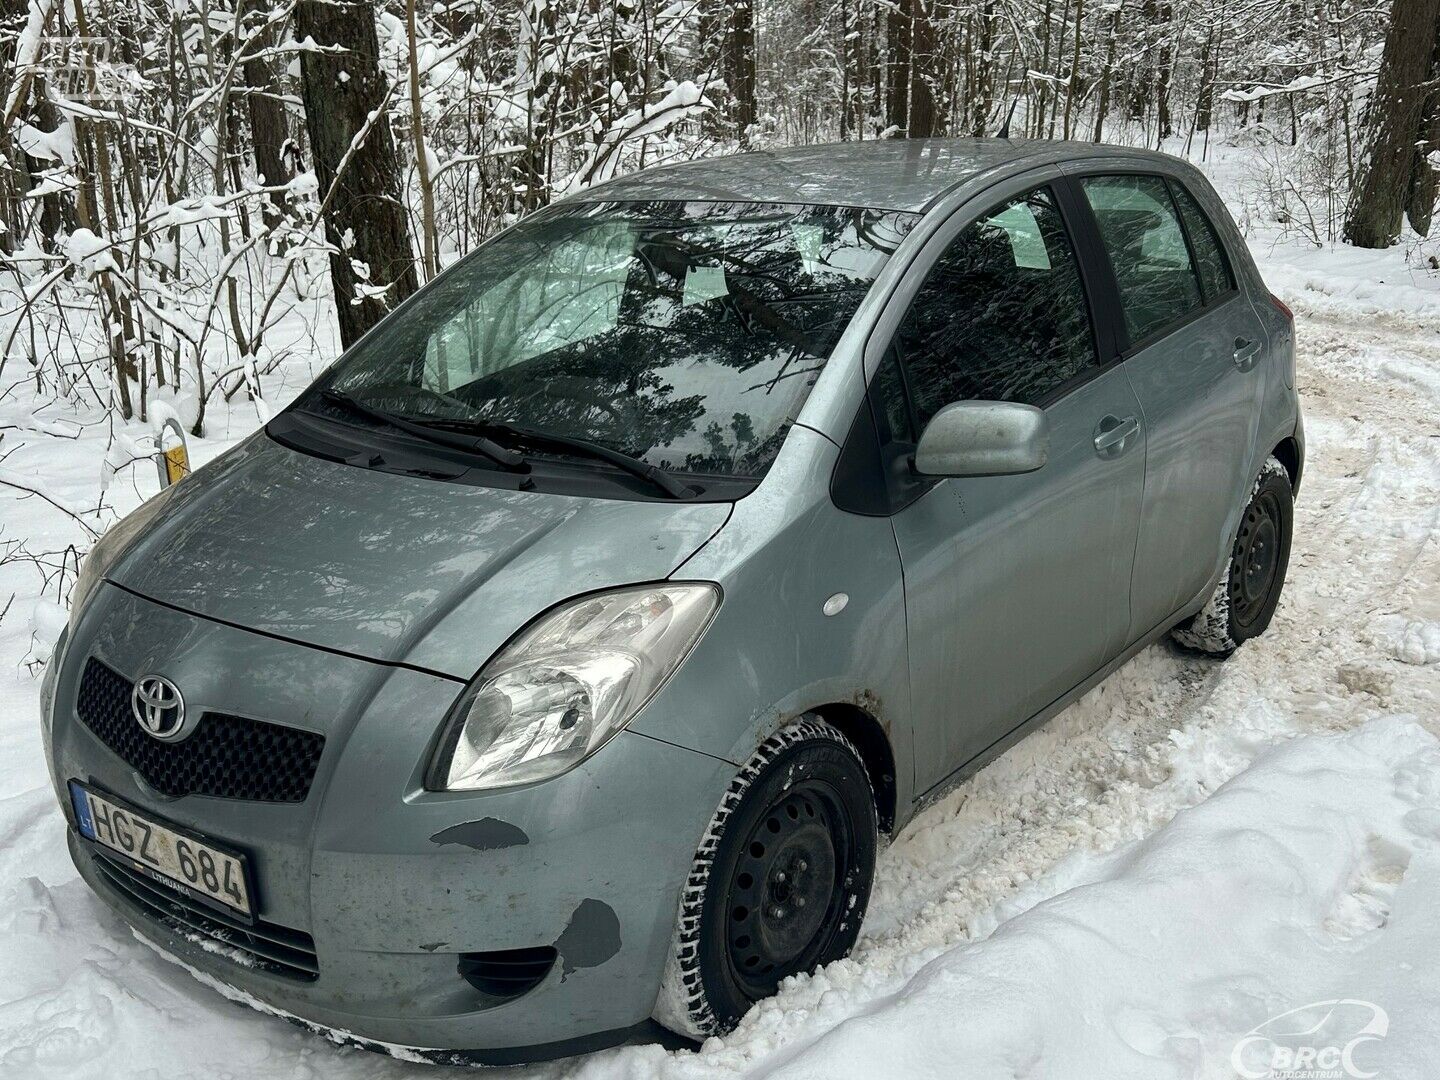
<point x="772" y="653"/>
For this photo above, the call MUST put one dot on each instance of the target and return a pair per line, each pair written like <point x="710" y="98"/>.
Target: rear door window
<point x="1002" y="315"/>
<point x="1141" y="231"/>
<point x="1215" y="274"/>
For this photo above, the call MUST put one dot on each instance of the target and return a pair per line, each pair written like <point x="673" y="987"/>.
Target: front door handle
<point x="1245" y="353"/>
<point x="1113" y="435"/>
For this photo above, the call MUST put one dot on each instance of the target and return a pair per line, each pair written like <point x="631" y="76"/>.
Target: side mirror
<point x="983" y="438"/>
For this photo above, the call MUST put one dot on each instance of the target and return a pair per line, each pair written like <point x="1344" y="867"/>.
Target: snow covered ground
<point x="1192" y="850"/>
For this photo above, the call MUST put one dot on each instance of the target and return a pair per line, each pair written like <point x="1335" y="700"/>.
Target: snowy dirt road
<point x="1086" y="906"/>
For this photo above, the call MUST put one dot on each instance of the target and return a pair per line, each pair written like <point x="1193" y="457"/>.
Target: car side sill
<point x="1006" y="741"/>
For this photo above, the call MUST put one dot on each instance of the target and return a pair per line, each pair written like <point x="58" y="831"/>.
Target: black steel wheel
<point x="1256" y="561"/>
<point x="785" y="898"/>
<point x="780" y="883"/>
<point x="1245" y="600"/>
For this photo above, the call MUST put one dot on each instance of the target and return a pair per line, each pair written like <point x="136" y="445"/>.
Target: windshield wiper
<point x="507" y="459"/>
<point x="621" y="460"/>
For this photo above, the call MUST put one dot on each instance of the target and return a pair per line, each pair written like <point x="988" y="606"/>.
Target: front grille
<point x="231" y="757"/>
<point x="275" y="950"/>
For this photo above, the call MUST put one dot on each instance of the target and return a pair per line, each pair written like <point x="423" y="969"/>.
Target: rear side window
<point x="1002" y="315"/>
<point x="1215" y="274"/>
<point x="1141" y="232"/>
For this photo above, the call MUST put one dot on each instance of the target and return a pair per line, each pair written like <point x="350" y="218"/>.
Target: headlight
<point x="108" y="549"/>
<point x="579" y="674"/>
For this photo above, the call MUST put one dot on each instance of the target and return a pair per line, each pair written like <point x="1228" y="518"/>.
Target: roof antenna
<point x="1004" y="132"/>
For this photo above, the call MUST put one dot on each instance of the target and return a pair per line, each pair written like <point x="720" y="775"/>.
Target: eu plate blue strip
<point x="82" y="811"/>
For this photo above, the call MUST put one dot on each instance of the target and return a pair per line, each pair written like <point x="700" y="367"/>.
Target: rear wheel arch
<point x="1246" y="595"/>
<point x="1287" y="452"/>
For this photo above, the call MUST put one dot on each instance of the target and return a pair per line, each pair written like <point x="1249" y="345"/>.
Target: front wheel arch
<point x="872" y="742"/>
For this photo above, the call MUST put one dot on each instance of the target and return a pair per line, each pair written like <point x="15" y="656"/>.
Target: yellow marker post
<point x="172" y="456"/>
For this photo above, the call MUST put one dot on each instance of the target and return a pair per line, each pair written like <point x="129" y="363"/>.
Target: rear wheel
<point x="1245" y="599"/>
<point x="780" y="882"/>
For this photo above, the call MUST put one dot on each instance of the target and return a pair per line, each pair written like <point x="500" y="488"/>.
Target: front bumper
<point x="395" y="884"/>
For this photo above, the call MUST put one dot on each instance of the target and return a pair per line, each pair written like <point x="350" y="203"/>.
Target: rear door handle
<point x="1245" y="353"/>
<point x="1114" y="434"/>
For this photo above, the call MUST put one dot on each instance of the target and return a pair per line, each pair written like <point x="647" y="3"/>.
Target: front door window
<point x="1003" y="315"/>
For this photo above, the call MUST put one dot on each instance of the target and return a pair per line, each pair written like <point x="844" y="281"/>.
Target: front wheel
<point x="780" y="881"/>
<point x="1242" y="604"/>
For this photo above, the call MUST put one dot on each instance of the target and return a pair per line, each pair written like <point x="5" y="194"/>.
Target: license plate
<point x="176" y="859"/>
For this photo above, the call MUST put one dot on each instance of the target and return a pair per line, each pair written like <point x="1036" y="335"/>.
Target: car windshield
<point x="686" y="334"/>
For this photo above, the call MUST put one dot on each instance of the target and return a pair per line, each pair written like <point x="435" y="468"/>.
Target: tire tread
<point x="682" y="1005"/>
<point x="1209" y="630"/>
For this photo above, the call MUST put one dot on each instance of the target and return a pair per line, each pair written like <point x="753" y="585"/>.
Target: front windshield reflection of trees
<point x="686" y="334"/>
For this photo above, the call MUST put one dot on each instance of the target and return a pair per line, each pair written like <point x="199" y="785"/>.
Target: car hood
<point x="390" y="567"/>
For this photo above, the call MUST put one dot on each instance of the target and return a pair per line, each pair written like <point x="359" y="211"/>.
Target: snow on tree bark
<point x="1395" y="121"/>
<point x="372" y="266"/>
<point x="1420" y="200"/>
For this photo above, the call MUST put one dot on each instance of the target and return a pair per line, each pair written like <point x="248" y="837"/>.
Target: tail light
<point x="1283" y="308"/>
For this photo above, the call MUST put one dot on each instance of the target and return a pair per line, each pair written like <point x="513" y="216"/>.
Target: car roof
<point x="884" y="174"/>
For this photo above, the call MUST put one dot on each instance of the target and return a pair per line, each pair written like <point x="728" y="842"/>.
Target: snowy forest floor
<point x="1192" y="849"/>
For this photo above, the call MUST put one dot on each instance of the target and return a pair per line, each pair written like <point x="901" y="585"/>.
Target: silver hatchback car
<point x="554" y="664"/>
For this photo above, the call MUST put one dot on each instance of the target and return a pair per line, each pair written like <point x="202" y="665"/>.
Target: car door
<point x="1192" y="343"/>
<point x="1016" y="587"/>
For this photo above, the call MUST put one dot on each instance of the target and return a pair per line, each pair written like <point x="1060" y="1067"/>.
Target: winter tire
<point x="780" y="881"/>
<point x="1244" y="601"/>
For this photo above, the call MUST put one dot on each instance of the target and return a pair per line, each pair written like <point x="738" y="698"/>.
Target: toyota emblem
<point x="158" y="706"/>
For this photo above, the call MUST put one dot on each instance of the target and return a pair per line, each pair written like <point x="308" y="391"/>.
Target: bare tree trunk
<point x="269" y="129"/>
<point x="1042" y="105"/>
<point x="365" y="220"/>
<point x="741" y="70"/>
<point x="55" y="214"/>
<point x="846" y="51"/>
<point x="1072" y="84"/>
<point x="727" y="31"/>
<point x="897" y="67"/>
<point x="1053" y="69"/>
<point x="422" y="157"/>
<point x="1205" y="102"/>
<point x="1142" y="78"/>
<point x="924" y="120"/>
<point x="1165" y="128"/>
<point x="1420" y="201"/>
<point x="849" y="71"/>
<point x="983" y="88"/>
<point x="536" y="80"/>
<point x="1395" y="121"/>
<point x="14" y="164"/>
<point x="1107" y="75"/>
<point x="911" y="69"/>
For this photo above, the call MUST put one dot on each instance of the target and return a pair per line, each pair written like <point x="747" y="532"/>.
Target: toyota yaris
<point x="553" y="665"/>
